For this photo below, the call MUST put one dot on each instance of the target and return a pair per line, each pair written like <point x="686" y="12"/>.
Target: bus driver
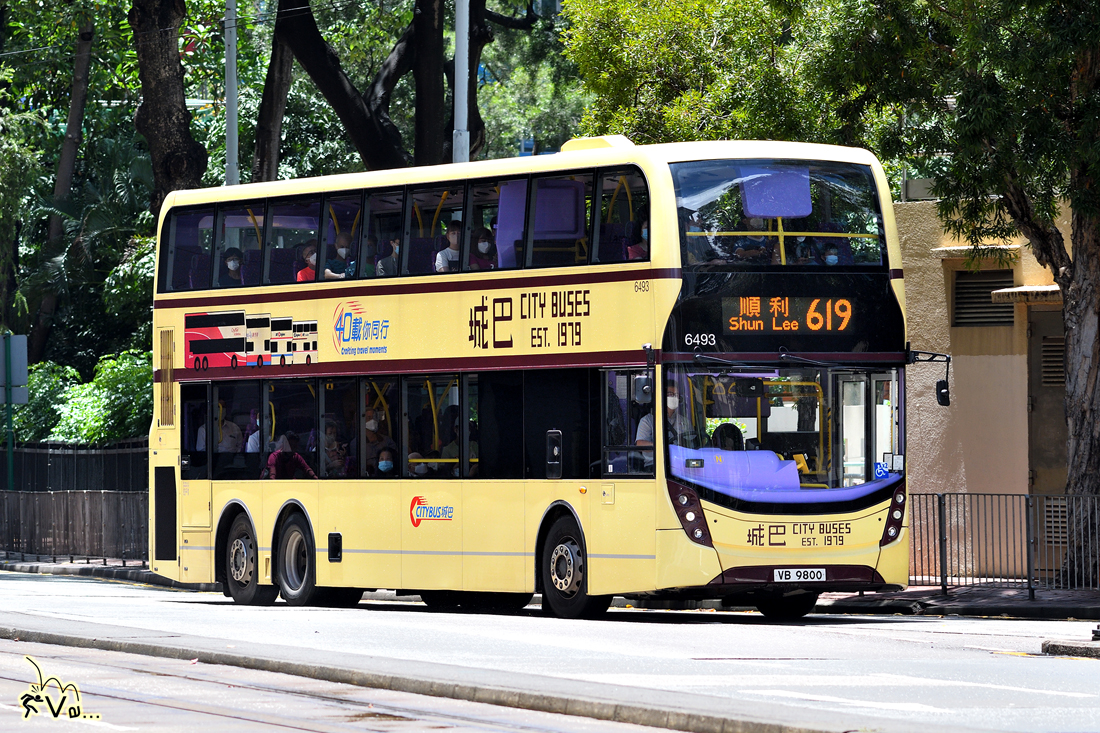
<point x="678" y="430"/>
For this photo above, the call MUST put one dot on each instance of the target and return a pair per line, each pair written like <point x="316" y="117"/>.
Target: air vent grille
<point x="974" y="304"/>
<point x="1054" y="361"/>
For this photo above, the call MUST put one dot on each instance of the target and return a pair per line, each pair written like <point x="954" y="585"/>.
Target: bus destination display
<point x="818" y="315"/>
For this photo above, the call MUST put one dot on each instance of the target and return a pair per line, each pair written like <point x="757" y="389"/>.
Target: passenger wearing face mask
<point x="375" y="440"/>
<point x="386" y="469"/>
<point x="829" y="256"/>
<point x="678" y="430"/>
<point x="309" y="256"/>
<point x="230" y="275"/>
<point x="339" y="268"/>
<point x="640" y="249"/>
<point x="418" y="468"/>
<point x="483" y="255"/>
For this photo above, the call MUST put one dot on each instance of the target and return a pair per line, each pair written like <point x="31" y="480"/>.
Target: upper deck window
<point x="624" y="216"/>
<point x="292" y="254"/>
<point x="237" y="255"/>
<point x="561" y="216"/>
<point x="189" y="235"/>
<point x="778" y="213"/>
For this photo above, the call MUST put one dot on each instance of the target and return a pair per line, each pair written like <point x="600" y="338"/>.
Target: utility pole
<point x="460" y="143"/>
<point x="7" y="403"/>
<point x="232" y="172"/>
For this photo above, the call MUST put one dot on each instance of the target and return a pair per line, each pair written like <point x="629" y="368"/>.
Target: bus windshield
<point x="800" y="435"/>
<point x="777" y="212"/>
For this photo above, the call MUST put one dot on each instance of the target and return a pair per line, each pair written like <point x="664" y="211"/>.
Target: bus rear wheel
<point x="789" y="608"/>
<point x="241" y="577"/>
<point x="564" y="574"/>
<point x="296" y="572"/>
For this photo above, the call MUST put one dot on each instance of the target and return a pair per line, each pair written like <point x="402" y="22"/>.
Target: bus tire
<point x="790" y="608"/>
<point x="282" y="361"/>
<point x="296" y="560"/>
<point x="564" y="574"/>
<point x="205" y="363"/>
<point x="233" y="362"/>
<point x="198" y="363"/>
<point x="309" y="359"/>
<point x="242" y="578"/>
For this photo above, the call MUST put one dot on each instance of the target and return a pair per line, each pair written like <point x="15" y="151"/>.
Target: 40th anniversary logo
<point x="419" y="511"/>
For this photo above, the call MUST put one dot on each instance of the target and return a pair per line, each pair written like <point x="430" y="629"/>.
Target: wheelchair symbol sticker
<point x="881" y="471"/>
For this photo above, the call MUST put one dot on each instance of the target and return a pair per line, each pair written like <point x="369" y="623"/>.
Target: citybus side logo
<point x="419" y="511"/>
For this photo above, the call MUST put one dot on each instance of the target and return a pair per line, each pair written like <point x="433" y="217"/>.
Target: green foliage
<point x="117" y="404"/>
<point x="671" y="70"/>
<point x="46" y="384"/>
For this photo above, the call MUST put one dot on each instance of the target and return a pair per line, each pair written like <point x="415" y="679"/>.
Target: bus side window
<point x="292" y="241"/>
<point x="187" y="239"/>
<point x="381" y="420"/>
<point x="623" y="217"/>
<point x="435" y="242"/>
<point x="234" y="430"/>
<point x="339" y="445"/>
<point x="621" y="416"/>
<point x="385" y="229"/>
<point x="559" y="235"/>
<point x="237" y="254"/>
<point x="193" y="412"/>
<point x="290" y="425"/>
<point x="500" y="208"/>
<point x="339" y="256"/>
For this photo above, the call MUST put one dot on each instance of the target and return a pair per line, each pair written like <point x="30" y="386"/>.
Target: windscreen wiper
<point x="708" y="359"/>
<point x="785" y="355"/>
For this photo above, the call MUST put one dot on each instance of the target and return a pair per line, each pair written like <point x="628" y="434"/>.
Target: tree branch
<point x="526" y="23"/>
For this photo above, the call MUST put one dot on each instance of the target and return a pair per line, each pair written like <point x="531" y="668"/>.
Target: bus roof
<point x="577" y="153"/>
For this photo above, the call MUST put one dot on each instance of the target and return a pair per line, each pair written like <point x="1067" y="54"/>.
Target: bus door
<point x="431" y="534"/>
<point x="196" y="426"/>
<point x="855" y="428"/>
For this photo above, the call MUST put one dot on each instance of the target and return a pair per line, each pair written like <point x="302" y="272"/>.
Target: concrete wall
<point x="980" y="443"/>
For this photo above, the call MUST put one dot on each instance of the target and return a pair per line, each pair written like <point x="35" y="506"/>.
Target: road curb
<point x="133" y="575"/>
<point x="672" y="719"/>
<point x="1065" y="648"/>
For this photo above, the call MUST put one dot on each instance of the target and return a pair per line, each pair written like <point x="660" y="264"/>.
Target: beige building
<point x="1005" y="430"/>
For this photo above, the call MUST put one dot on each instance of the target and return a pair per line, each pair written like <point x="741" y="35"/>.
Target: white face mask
<point x="483" y="247"/>
<point x="645" y="235"/>
<point x="694" y="228"/>
<point x="421" y="469"/>
<point x="831" y="259"/>
<point x="672" y="402"/>
<point x="312" y="260"/>
<point x="342" y="252"/>
<point x="396" y="249"/>
<point x="233" y="264"/>
<point x="372" y="425"/>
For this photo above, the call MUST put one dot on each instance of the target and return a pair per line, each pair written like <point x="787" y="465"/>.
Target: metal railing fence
<point x="84" y="523"/>
<point x="1005" y="540"/>
<point x="121" y="466"/>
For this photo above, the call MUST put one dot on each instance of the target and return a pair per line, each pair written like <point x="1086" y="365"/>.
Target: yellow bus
<point x="670" y="371"/>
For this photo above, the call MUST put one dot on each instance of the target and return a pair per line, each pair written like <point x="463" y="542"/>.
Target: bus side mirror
<point x="643" y="390"/>
<point x="943" y="393"/>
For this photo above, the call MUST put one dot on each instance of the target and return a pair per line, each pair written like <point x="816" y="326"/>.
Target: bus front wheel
<point x="241" y="577"/>
<point x="296" y="572"/>
<point x="565" y="574"/>
<point x="790" y="608"/>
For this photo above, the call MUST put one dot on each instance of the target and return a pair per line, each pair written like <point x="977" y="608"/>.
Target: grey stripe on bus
<point x="594" y="555"/>
<point x="194" y="547"/>
<point x="429" y="552"/>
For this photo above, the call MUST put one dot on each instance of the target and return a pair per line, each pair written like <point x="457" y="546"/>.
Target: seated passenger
<point x="338" y="268"/>
<point x="640" y="249"/>
<point x="677" y="427"/>
<point x="385" y="469"/>
<point x="756" y="247"/>
<point x="388" y="258"/>
<point x="452" y="451"/>
<point x="418" y="468"/>
<point x="375" y="441"/>
<point x="728" y="436"/>
<point x="446" y="260"/>
<point x="285" y="461"/>
<point x="829" y="255"/>
<point x="230" y="275"/>
<point x="483" y="256"/>
<point x="309" y="256"/>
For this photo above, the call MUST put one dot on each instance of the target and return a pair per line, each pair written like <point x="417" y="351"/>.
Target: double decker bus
<point x="671" y="371"/>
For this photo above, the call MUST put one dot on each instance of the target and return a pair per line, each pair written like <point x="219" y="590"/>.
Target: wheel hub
<point x="240" y="561"/>
<point x="565" y="567"/>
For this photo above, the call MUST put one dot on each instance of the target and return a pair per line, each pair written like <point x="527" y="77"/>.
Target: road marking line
<point x="908" y="707"/>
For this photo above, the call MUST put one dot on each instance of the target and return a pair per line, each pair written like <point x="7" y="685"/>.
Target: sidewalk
<point x="915" y="601"/>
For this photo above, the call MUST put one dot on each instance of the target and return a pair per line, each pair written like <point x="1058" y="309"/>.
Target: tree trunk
<point x="431" y="113"/>
<point x="8" y="283"/>
<point x="369" y="135"/>
<point x="269" y="123"/>
<point x="63" y="184"/>
<point x="1081" y="309"/>
<point x="178" y="161"/>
